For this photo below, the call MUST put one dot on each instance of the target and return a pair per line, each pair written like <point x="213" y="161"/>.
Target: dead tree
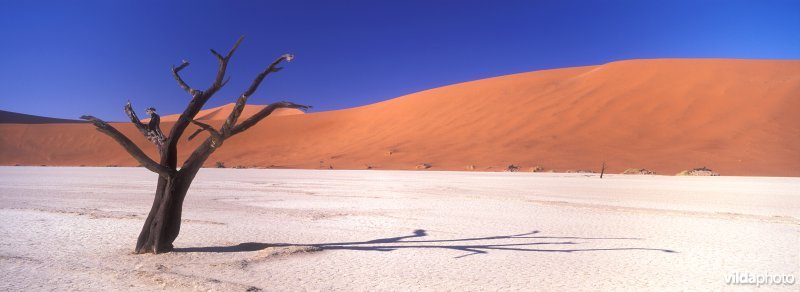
<point x="603" y="170"/>
<point x="163" y="223"/>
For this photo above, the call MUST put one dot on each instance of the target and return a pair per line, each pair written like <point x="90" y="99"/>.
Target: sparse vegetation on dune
<point x="536" y="169"/>
<point x="636" y="171"/>
<point x="700" y="171"/>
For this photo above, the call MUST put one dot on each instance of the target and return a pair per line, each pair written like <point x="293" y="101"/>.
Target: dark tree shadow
<point x="480" y="245"/>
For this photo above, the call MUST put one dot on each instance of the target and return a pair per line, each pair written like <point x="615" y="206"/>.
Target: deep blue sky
<point x="68" y="58"/>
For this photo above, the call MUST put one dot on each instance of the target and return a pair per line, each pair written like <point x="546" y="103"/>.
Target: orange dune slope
<point x="737" y="117"/>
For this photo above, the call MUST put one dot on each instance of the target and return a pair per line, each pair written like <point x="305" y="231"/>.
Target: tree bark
<point x="163" y="223"/>
<point x="147" y="237"/>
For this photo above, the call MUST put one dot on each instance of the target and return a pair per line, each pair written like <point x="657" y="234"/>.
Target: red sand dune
<point x="737" y="117"/>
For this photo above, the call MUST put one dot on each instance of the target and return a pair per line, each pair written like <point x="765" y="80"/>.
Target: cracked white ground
<point x="70" y="228"/>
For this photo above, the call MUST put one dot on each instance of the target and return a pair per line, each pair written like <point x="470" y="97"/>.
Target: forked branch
<point x="242" y="100"/>
<point x="220" y="81"/>
<point x="216" y="138"/>
<point x="200" y="99"/>
<point x="129" y="146"/>
<point x="175" y="73"/>
<point x="202" y="152"/>
<point x="263" y="113"/>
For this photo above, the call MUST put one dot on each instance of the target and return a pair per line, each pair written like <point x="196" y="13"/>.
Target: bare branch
<point x="198" y="157"/>
<point x="129" y="146"/>
<point x="153" y="135"/>
<point x="272" y="68"/>
<point x="242" y="100"/>
<point x="263" y="113"/>
<point x="223" y="66"/>
<point x="134" y="118"/>
<point x="193" y="92"/>
<point x="219" y="57"/>
<point x="196" y="132"/>
<point x="216" y="138"/>
<point x="233" y="49"/>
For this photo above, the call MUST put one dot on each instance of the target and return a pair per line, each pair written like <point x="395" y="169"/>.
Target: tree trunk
<point x="163" y="223"/>
<point x="153" y="236"/>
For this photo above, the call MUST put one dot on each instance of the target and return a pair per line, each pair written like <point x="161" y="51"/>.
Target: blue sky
<point x="69" y="58"/>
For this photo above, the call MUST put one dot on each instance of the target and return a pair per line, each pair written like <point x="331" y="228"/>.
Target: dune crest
<point x="7" y="117"/>
<point x="737" y="117"/>
<point x="221" y="113"/>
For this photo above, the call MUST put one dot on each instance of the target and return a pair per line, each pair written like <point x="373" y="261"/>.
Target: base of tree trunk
<point x="163" y="223"/>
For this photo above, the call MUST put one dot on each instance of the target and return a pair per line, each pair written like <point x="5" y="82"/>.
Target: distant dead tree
<point x="163" y="223"/>
<point x="602" y="170"/>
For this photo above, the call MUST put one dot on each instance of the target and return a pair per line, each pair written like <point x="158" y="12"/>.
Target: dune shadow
<point x="472" y="245"/>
